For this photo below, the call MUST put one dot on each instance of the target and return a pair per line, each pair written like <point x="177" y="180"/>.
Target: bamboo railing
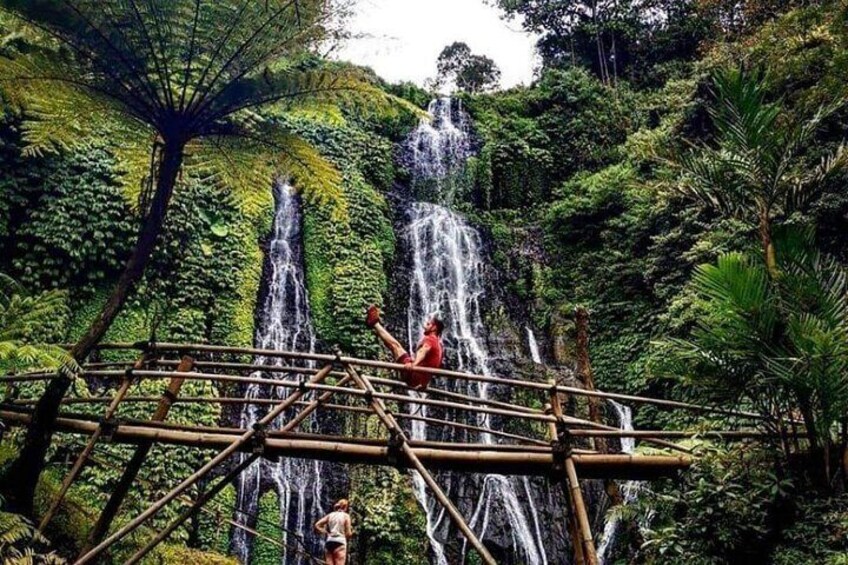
<point x="504" y="436"/>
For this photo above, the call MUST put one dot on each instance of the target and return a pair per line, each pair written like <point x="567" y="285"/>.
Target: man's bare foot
<point x="372" y="318"/>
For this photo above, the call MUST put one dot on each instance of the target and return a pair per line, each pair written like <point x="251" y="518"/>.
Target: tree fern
<point x="172" y="83"/>
<point x="22" y="544"/>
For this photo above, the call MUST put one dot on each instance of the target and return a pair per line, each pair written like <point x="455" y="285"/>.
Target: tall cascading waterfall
<point x="448" y="278"/>
<point x="284" y="326"/>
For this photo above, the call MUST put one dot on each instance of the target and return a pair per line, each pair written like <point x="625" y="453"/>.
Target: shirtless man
<point x="428" y="353"/>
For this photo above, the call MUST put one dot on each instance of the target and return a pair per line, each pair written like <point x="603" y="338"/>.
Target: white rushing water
<point x="448" y="279"/>
<point x="285" y="325"/>
<point x="630" y="489"/>
<point x="534" y="347"/>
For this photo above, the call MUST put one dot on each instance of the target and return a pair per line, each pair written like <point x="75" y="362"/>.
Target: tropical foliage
<point x="176" y="86"/>
<point x="755" y="171"/>
<point x="779" y="345"/>
<point x="677" y="167"/>
<point x="27" y="326"/>
<point x="21" y="544"/>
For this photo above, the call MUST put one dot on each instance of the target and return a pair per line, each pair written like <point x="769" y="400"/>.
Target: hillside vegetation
<point x="682" y="177"/>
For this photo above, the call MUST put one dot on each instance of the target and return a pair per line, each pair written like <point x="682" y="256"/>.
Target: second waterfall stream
<point x="447" y="278"/>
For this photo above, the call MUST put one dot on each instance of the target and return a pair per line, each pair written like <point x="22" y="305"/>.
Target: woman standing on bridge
<point x="336" y="526"/>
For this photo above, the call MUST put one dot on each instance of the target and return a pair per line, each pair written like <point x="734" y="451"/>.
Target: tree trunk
<point x="19" y="483"/>
<point x="584" y="366"/>
<point x="768" y="244"/>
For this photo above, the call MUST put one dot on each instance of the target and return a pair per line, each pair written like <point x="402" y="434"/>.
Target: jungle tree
<point x="175" y="86"/>
<point x="468" y="71"/>
<point x="756" y="170"/>
<point x="774" y="332"/>
<point x="777" y="344"/>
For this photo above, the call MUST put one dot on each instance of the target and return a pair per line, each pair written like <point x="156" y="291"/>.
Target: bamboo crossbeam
<point x="619" y="466"/>
<point x="253" y="367"/>
<point x="231" y="448"/>
<point x="29" y="377"/>
<point x="440" y="372"/>
<point x="271" y="383"/>
<point x="286" y="432"/>
<point x="597" y="430"/>
<point x="375" y="380"/>
<point x="249" y="367"/>
<point x="433" y="391"/>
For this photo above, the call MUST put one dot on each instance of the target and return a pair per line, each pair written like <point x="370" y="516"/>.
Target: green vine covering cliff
<point x="634" y="177"/>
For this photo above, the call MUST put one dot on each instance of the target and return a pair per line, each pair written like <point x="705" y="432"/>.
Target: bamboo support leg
<point x="389" y="421"/>
<point x="582" y="522"/>
<point x="571" y="515"/>
<point x="193" y="509"/>
<point x="89" y="447"/>
<point x="203" y="471"/>
<point x="132" y="468"/>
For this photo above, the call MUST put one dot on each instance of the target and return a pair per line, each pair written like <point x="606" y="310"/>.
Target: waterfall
<point x="284" y="325"/>
<point x="534" y="347"/>
<point x="448" y="279"/>
<point x="439" y="146"/>
<point x="630" y="489"/>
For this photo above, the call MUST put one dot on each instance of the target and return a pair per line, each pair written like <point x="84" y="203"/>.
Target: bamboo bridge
<point x="552" y="444"/>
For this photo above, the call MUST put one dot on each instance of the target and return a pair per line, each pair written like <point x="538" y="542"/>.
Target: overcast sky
<point x="401" y="39"/>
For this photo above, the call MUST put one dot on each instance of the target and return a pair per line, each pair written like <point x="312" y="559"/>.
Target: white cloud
<point x="401" y="39"/>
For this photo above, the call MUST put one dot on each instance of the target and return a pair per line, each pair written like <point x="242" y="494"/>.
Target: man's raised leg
<point x="373" y="321"/>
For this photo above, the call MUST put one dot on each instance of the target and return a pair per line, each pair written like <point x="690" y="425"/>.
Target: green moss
<point x="180" y="555"/>
<point x="268" y="524"/>
<point x="390" y="525"/>
<point x="346" y="265"/>
<point x="213" y="532"/>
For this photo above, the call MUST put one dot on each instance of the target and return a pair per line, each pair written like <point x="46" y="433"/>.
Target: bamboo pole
<point x="570" y="517"/>
<point x="575" y="495"/>
<point x="446" y="373"/>
<point x="584" y="528"/>
<point x="519" y="414"/>
<point x="92" y="441"/>
<point x="193" y="509"/>
<point x="407" y="400"/>
<point x="393" y="426"/>
<point x="251" y="367"/>
<point x="188" y="501"/>
<point x="625" y="466"/>
<point x="203" y="471"/>
<point x="644" y="435"/>
<point x="130" y="472"/>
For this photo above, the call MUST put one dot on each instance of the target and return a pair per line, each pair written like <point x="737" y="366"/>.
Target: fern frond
<point x="247" y="160"/>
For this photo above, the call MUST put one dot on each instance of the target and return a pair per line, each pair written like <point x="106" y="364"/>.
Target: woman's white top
<point x="336" y="527"/>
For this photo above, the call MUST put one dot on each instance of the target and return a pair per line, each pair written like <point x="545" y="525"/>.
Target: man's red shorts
<point x="411" y="377"/>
